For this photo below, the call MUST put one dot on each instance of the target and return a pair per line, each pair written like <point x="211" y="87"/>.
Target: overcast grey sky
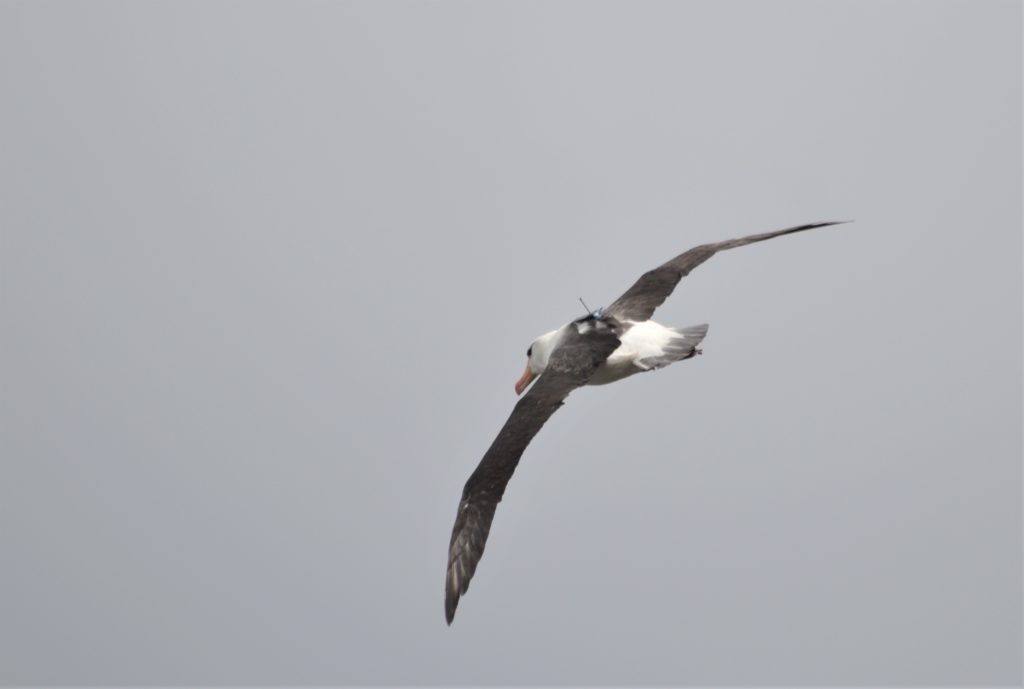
<point x="269" y="272"/>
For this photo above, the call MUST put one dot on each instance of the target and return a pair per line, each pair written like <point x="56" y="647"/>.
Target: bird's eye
<point x="529" y="351"/>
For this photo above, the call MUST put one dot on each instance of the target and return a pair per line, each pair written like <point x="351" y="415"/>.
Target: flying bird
<point x="604" y="346"/>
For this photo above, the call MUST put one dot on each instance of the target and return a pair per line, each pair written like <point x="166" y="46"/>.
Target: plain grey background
<point x="269" y="272"/>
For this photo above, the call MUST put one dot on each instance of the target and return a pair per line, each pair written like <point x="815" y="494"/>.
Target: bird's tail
<point x="682" y="345"/>
<point x="690" y="336"/>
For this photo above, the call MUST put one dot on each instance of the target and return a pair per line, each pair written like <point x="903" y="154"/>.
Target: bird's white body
<point x="645" y="345"/>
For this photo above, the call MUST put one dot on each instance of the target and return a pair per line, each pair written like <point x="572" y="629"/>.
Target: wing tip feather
<point x="450" y="603"/>
<point x="453" y="591"/>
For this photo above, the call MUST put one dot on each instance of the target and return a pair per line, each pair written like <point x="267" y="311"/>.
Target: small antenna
<point x="585" y="305"/>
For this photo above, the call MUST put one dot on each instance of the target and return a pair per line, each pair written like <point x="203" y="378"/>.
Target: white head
<point x="537" y="358"/>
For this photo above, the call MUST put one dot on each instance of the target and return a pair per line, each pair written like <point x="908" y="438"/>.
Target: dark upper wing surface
<point x="653" y="288"/>
<point x="570" y="366"/>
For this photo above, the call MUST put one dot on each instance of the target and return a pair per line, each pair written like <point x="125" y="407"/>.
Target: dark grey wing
<point x="570" y="366"/>
<point x="653" y="288"/>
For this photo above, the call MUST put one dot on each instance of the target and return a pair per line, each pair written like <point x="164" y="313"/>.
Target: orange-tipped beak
<point x="524" y="381"/>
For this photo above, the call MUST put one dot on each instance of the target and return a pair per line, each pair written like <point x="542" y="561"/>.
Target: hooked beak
<point x="524" y="381"/>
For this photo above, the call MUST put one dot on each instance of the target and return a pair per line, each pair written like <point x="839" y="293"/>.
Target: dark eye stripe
<point x="529" y="351"/>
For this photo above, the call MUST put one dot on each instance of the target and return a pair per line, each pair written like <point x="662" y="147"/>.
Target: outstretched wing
<point x="653" y="288"/>
<point x="570" y="366"/>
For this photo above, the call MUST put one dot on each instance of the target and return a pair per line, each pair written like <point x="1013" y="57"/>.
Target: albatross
<point x="604" y="346"/>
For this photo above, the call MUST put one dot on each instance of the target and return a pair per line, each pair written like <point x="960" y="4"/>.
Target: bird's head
<point x="537" y="358"/>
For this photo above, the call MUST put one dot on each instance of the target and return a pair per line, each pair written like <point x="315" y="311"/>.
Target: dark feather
<point x="653" y="288"/>
<point x="570" y="366"/>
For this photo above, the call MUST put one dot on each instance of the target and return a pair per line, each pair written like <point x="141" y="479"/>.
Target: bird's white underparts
<point x="644" y="346"/>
